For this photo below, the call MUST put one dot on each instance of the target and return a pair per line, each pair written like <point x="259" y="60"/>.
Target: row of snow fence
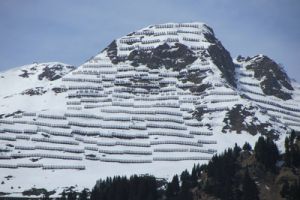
<point x="166" y="126"/>
<point x="73" y="103"/>
<point x="129" y="40"/>
<point x="55" y="133"/>
<point x="176" y="142"/>
<point x="207" y="141"/>
<point x="181" y="158"/>
<point x="105" y="151"/>
<point x="84" y="87"/>
<point x="123" y="96"/>
<point x="52" y="116"/>
<point x="209" y="151"/>
<point x="189" y="32"/>
<point x="83" y="115"/>
<point x="290" y="119"/>
<point x="123" y="143"/>
<point x="49" y="148"/>
<point x="165" y="119"/>
<point x="124" y="69"/>
<point x="129" y="48"/>
<point x="126" y="75"/>
<point x="223" y="100"/>
<point x="197" y="48"/>
<point x="56" y="141"/>
<point x="193" y="123"/>
<point x="76" y="167"/>
<point x="170" y="150"/>
<point x="158" y="26"/>
<point x="108" y="78"/>
<point x="122" y="83"/>
<point x="82" y="80"/>
<point x="169" y="74"/>
<point x="98" y="65"/>
<point x="8" y="138"/>
<point x="119" y="160"/>
<point x="144" y="32"/>
<point x="275" y="104"/>
<point x="190" y="110"/>
<point x="252" y="92"/>
<point x="191" y="39"/>
<point x="74" y="108"/>
<point x="150" y="41"/>
<point x="201" y="133"/>
<point x="44" y="155"/>
<point x="172" y="134"/>
<point x="91" y="148"/>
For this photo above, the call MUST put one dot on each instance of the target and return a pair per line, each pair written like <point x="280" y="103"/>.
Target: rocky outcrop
<point x="34" y="91"/>
<point x="244" y="118"/>
<point x="175" y="57"/>
<point x="220" y="57"/>
<point x="54" y="72"/>
<point x="274" y="80"/>
<point x="112" y="52"/>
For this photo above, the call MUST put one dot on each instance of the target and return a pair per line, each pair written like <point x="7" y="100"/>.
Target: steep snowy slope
<point x="165" y="93"/>
<point x="265" y="84"/>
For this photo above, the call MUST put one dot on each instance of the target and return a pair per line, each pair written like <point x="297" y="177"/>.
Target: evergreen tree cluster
<point x="181" y="189"/>
<point x="220" y="170"/>
<point x="266" y="153"/>
<point x="222" y="181"/>
<point x="250" y="191"/>
<point x="247" y="147"/>
<point x="223" y="177"/>
<point x="292" y="151"/>
<point x="73" y="195"/>
<point x="122" y="188"/>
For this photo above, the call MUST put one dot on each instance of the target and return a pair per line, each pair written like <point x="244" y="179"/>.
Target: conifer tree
<point x="72" y="195"/>
<point x="63" y="195"/>
<point x="250" y="191"/>
<point x="83" y="195"/>
<point x="266" y="152"/>
<point x="194" y="176"/>
<point x="236" y="150"/>
<point x="287" y="156"/>
<point x="247" y="147"/>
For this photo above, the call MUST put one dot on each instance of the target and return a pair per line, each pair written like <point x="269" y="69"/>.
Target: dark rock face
<point x="236" y="120"/>
<point x="198" y="113"/>
<point x="175" y="57"/>
<point x="59" y="89"/>
<point x="112" y="52"/>
<point x="197" y="78"/>
<point x="25" y="74"/>
<point x="200" y="88"/>
<point x="222" y="59"/>
<point x="273" y="77"/>
<point x="52" y="73"/>
<point x="34" y="91"/>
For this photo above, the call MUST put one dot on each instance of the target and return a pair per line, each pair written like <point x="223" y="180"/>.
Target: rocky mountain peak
<point x="173" y="46"/>
<point x="273" y="79"/>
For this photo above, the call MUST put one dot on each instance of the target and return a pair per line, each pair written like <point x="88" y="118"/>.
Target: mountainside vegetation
<point x="236" y="174"/>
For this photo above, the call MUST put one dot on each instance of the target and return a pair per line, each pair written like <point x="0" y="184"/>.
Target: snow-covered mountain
<point x="163" y="94"/>
<point x="32" y="86"/>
